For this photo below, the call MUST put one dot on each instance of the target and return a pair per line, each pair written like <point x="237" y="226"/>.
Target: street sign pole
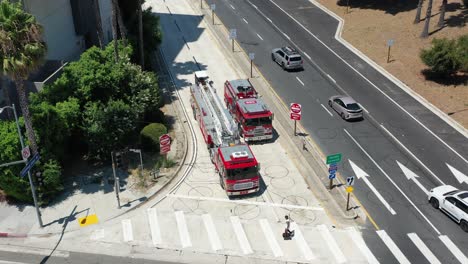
<point x="347" y="202"/>
<point x="295" y="126"/>
<point x="116" y="181"/>
<point x="251" y="64"/>
<point x="213" y="7"/>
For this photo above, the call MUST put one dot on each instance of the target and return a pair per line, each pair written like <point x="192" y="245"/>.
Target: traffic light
<point x="118" y="160"/>
<point x="39" y="178"/>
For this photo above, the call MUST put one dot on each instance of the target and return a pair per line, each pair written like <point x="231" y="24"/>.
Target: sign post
<point x="232" y="36"/>
<point x="349" y="189"/>
<point x="389" y="44"/>
<point x="252" y="57"/>
<point x="213" y="8"/>
<point x="295" y="112"/>
<point x="332" y="161"/>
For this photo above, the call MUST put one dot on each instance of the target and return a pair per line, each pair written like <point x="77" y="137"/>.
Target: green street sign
<point x="335" y="158"/>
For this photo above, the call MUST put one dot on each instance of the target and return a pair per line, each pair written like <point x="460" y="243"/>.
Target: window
<point x="243" y="173"/>
<point x="295" y="58"/>
<point x="258" y="121"/>
<point x="280" y="53"/>
<point x="353" y="106"/>
<point x="462" y="206"/>
<point x="451" y="200"/>
<point x="463" y="195"/>
<point x="338" y="101"/>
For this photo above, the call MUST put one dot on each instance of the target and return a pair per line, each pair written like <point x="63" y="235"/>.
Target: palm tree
<point x="97" y="14"/>
<point x="442" y="14"/>
<point x="140" y="31"/>
<point x="114" y="29"/>
<point x="418" y="12"/>
<point x="425" y="32"/>
<point x="22" y="50"/>
<point x="123" y="30"/>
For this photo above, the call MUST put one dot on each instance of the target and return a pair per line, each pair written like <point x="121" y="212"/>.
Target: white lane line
<point x="359" y="242"/>
<point x="34" y="251"/>
<point x="260" y="37"/>
<point x="454" y="249"/>
<point x="240" y="234"/>
<point x="332" y="245"/>
<point x="333" y="80"/>
<point x="154" y="226"/>
<point x="127" y="230"/>
<point x="290" y="206"/>
<point x="393" y="247"/>
<point x="183" y="231"/>
<point x="371" y="83"/>
<point x="232" y="7"/>
<point x="275" y="248"/>
<point x="423" y="248"/>
<point x="299" y="80"/>
<point x="245" y="20"/>
<point x="212" y="234"/>
<point x="255" y="6"/>
<point x="302" y="243"/>
<point x="363" y="108"/>
<point x="267" y="18"/>
<point x="330" y="113"/>
<point x="307" y="55"/>
<point x="393" y="182"/>
<point x="287" y="36"/>
<point x="414" y="156"/>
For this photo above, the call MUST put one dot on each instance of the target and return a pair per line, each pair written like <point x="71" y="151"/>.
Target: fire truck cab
<point x="252" y="115"/>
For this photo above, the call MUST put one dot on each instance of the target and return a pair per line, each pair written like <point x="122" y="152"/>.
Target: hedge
<point x="149" y="136"/>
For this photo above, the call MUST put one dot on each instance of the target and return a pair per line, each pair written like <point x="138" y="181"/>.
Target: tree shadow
<point x="452" y="80"/>
<point x="458" y="20"/>
<point x="390" y="7"/>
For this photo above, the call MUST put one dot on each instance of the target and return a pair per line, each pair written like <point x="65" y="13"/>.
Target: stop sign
<point x="165" y="140"/>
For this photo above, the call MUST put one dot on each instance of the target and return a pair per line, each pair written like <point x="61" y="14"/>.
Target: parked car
<point x="346" y="107"/>
<point x="451" y="201"/>
<point x="288" y="58"/>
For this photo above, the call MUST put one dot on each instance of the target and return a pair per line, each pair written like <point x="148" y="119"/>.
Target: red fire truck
<point x="252" y="115"/>
<point x="235" y="163"/>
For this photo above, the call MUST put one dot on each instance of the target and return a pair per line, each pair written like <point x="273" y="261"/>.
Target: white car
<point x="451" y="201"/>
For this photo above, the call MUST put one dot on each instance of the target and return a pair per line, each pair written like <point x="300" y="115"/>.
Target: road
<point x="397" y="128"/>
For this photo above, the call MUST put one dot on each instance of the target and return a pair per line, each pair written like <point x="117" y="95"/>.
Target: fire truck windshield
<point x="243" y="173"/>
<point x="258" y="121"/>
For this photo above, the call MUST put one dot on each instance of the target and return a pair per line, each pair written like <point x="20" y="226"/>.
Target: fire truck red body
<point x="252" y="115"/>
<point x="235" y="163"/>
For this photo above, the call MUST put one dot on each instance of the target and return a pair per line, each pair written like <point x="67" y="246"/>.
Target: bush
<point x="51" y="174"/>
<point x="441" y="57"/>
<point x="150" y="134"/>
<point x="462" y="52"/>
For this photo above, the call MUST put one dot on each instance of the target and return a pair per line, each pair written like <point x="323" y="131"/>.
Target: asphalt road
<point x="263" y="25"/>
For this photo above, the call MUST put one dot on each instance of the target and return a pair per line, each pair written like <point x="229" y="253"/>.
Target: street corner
<point x="88" y="220"/>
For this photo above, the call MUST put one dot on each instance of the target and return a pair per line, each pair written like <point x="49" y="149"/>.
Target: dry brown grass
<point x="371" y="23"/>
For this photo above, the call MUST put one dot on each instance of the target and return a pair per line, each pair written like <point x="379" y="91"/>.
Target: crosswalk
<point x="232" y="235"/>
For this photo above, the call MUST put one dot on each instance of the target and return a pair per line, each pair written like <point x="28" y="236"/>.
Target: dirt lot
<point x="371" y="23"/>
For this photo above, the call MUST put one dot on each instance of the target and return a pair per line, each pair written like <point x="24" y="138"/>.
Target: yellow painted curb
<point x="88" y="220"/>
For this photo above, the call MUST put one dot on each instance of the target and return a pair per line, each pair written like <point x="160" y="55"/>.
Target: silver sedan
<point x="346" y="107"/>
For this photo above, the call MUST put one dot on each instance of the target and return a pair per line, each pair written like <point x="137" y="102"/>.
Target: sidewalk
<point x="94" y="194"/>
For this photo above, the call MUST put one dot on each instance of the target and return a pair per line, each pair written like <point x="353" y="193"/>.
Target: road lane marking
<point x="412" y="176"/>
<point x="307" y="55"/>
<point x="260" y="37"/>
<point x="127" y="230"/>
<point x="287" y="36"/>
<point x="290" y="206"/>
<point x="393" y="182"/>
<point x="301" y="242"/>
<point x="240" y="234"/>
<point x="423" y="248"/>
<point x="245" y="20"/>
<point x="183" y="231"/>
<point x="454" y="249"/>
<point x="154" y="226"/>
<point x="363" y="108"/>
<point x="458" y="174"/>
<point x="414" y="156"/>
<point x="393" y="247"/>
<point x="333" y="80"/>
<point x="299" y="80"/>
<point x="232" y="7"/>
<point x="362" y="175"/>
<point x="267" y="18"/>
<point x="275" y="248"/>
<point x="330" y="113"/>
<point x="332" y="245"/>
<point x="371" y="83"/>
<point x="212" y="234"/>
<point x="255" y="6"/>
<point x="359" y="242"/>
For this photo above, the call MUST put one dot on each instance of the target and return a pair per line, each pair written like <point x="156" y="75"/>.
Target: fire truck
<point x="252" y="115"/>
<point x="234" y="161"/>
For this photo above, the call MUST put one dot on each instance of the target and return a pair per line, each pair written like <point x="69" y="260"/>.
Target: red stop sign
<point x="295" y="108"/>
<point x="165" y="140"/>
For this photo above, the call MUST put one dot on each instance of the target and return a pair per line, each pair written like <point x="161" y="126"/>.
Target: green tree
<point x="21" y="51"/>
<point x="462" y="52"/>
<point x="52" y="181"/>
<point x="441" y="57"/>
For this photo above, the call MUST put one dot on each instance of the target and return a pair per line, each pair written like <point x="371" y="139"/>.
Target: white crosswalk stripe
<point x="212" y="234"/>
<point x="332" y="245"/>
<point x="393" y="247"/>
<point x="275" y="248"/>
<point x="154" y="226"/>
<point x="427" y="253"/>
<point x="183" y="231"/>
<point x="127" y="230"/>
<point x="241" y="237"/>
<point x="301" y="242"/>
<point x="357" y="238"/>
<point x="454" y="249"/>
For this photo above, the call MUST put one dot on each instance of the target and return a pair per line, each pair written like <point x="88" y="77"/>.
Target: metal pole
<point x="251" y="63"/>
<point x="201" y="4"/>
<point x="295" y="122"/>
<point x="212" y="15"/>
<point x="347" y="202"/>
<point x="141" y="163"/>
<point x="388" y="55"/>
<point x="33" y="189"/>
<point x="331" y="184"/>
<point x="116" y="181"/>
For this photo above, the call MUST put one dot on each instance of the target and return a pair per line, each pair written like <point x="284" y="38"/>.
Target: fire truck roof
<point x="241" y="85"/>
<point x="252" y="105"/>
<point x="231" y="154"/>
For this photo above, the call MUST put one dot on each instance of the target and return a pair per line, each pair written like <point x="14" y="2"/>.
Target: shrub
<point x="150" y="134"/>
<point x="51" y="174"/>
<point x="441" y="57"/>
<point x="462" y="52"/>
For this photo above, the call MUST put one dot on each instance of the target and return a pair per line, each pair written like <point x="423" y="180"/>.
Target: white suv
<point x="451" y="201"/>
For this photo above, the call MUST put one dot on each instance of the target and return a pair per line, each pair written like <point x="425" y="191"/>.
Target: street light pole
<point x="33" y="189"/>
